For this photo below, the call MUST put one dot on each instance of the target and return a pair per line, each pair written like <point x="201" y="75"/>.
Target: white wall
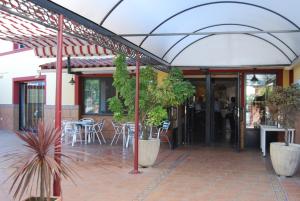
<point x="68" y="96"/>
<point x="5" y="46"/>
<point x="25" y="64"/>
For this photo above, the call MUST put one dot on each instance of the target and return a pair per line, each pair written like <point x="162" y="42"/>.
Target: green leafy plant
<point x="36" y="166"/>
<point x="284" y="105"/>
<point x="154" y="98"/>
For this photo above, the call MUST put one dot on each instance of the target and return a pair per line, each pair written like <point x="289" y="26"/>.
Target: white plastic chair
<point x="97" y="130"/>
<point x="163" y="130"/>
<point x="76" y="132"/>
<point x="118" y="128"/>
<point x="131" y="131"/>
<point x="71" y="130"/>
<point x="87" y="119"/>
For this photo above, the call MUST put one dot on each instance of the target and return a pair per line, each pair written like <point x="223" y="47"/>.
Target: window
<point x="17" y="46"/>
<point x="96" y="92"/>
<point x="256" y="93"/>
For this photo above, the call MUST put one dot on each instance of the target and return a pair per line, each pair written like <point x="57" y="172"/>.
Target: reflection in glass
<point x="32" y="100"/>
<point x="96" y="93"/>
<point x="91" y="96"/>
<point x="256" y="93"/>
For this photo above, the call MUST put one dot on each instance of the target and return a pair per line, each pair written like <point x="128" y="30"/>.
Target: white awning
<point x="263" y="32"/>
<point x="43" y="40"/>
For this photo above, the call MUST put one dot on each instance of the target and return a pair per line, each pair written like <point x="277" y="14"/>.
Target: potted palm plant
<point x="284" y="106"/>
<point x="35" y="165"/>
<point x="154" y="100"/>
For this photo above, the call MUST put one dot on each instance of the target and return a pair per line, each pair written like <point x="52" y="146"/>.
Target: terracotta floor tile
<point x="186" y="174"/>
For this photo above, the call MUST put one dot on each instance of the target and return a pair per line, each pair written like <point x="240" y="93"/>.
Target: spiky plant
<point x="36" y="166"/>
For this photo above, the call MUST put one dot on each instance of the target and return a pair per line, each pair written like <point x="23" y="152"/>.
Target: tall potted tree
<point x="154" y="100"/>
<point x="284" y="105"/>
<point x="36" y="166"/>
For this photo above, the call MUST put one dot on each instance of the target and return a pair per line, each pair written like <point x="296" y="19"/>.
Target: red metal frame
<point x="46" y="13"/>
<point x="58" y="103"/>
<point x="136" y="133"/>
<point x="16" y="86"/>
<point x="291" y="76"/>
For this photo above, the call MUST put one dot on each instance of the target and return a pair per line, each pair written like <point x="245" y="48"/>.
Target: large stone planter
<point x="148" y="151"/>
<point x="285" y="159"/>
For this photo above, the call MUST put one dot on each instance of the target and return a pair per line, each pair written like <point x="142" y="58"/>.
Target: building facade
<point x="27" y="85"/>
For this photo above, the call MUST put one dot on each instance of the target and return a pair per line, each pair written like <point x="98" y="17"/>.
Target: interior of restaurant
<point x="223" y="91"/>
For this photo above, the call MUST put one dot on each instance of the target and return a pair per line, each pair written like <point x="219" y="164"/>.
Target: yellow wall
<point x="160" y="76"/>
<point x="297" y="73"/>
<point x="286" y="78"/>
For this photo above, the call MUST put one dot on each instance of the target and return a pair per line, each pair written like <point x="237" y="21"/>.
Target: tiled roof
<point x="85" y="63"/>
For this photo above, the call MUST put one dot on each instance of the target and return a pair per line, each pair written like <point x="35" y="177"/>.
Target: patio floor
<point x="185" y="174"/>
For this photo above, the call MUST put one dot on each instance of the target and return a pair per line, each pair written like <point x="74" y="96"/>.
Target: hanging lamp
<point x="72" y="81"/>
<point x="254" y="79"/>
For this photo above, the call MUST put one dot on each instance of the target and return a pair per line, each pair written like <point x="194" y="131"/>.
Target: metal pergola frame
<point x="51" y="15"/>
<point x="46" y="13"/>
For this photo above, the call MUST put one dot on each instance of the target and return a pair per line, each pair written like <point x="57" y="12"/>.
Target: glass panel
<point x="256" y="92"/>
<point x="91" y="96"/>
<point x="96" y="93"/>
<point x="107" y="91"/>
<point x="31" y="104"/>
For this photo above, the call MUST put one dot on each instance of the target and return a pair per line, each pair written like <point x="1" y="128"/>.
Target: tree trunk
<point x="286" y="137"/>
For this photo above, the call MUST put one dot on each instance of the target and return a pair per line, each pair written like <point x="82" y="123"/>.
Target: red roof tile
<point x="85" y="63"/>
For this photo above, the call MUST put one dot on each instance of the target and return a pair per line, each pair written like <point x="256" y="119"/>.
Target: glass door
<point x="224" y="116"/>
<point x="32" y="100"/>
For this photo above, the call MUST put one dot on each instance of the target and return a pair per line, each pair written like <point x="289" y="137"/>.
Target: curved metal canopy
<point x="198" y="33"/>
<point x="202" y="32"/>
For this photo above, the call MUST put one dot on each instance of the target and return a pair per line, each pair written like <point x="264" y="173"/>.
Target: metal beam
<point x="220" y="2"/>
<point x="95" y="33"/>
<point x="208" y="96"/>
<point x="275" y="46"/>
<point x="109" y="12"/>
<point x="228" y="24"/>
<point x="58" y="103"/>
<point x="209" y="33"/>
<point x="137" y="127"/>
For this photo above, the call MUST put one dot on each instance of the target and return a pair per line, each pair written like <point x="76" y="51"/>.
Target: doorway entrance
<point x="212" y="115"/>
<point x="31" y="107"/>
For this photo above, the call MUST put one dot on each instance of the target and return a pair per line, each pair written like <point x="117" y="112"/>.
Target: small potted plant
<point x="36" y="166"/>
<point x="154" y="100"/>
<point x="284" y="106"/>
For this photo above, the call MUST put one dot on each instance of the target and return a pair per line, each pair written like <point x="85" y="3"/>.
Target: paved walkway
<point x="185" y="174"/>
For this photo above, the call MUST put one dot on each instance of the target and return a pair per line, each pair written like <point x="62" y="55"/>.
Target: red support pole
<point x="136" y="133"/>
<point x="57" y="155"/>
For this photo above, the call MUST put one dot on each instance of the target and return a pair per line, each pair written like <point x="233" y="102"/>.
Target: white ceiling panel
<point x="230" y="50"/>
<point x="178" y="16"/>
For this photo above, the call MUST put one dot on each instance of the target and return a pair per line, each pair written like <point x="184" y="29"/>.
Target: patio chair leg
<point x="102" y="137"/>
<point x="127" y="141"/>
<point x="80" y="137"/>
<point x="73" y="139"/>
<point x="118" y="138"/>
<point x="112" y="141"/>
<point x="93" y="136"/>
<point x="98" y="138"/>
<point x="169" y="141"/>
